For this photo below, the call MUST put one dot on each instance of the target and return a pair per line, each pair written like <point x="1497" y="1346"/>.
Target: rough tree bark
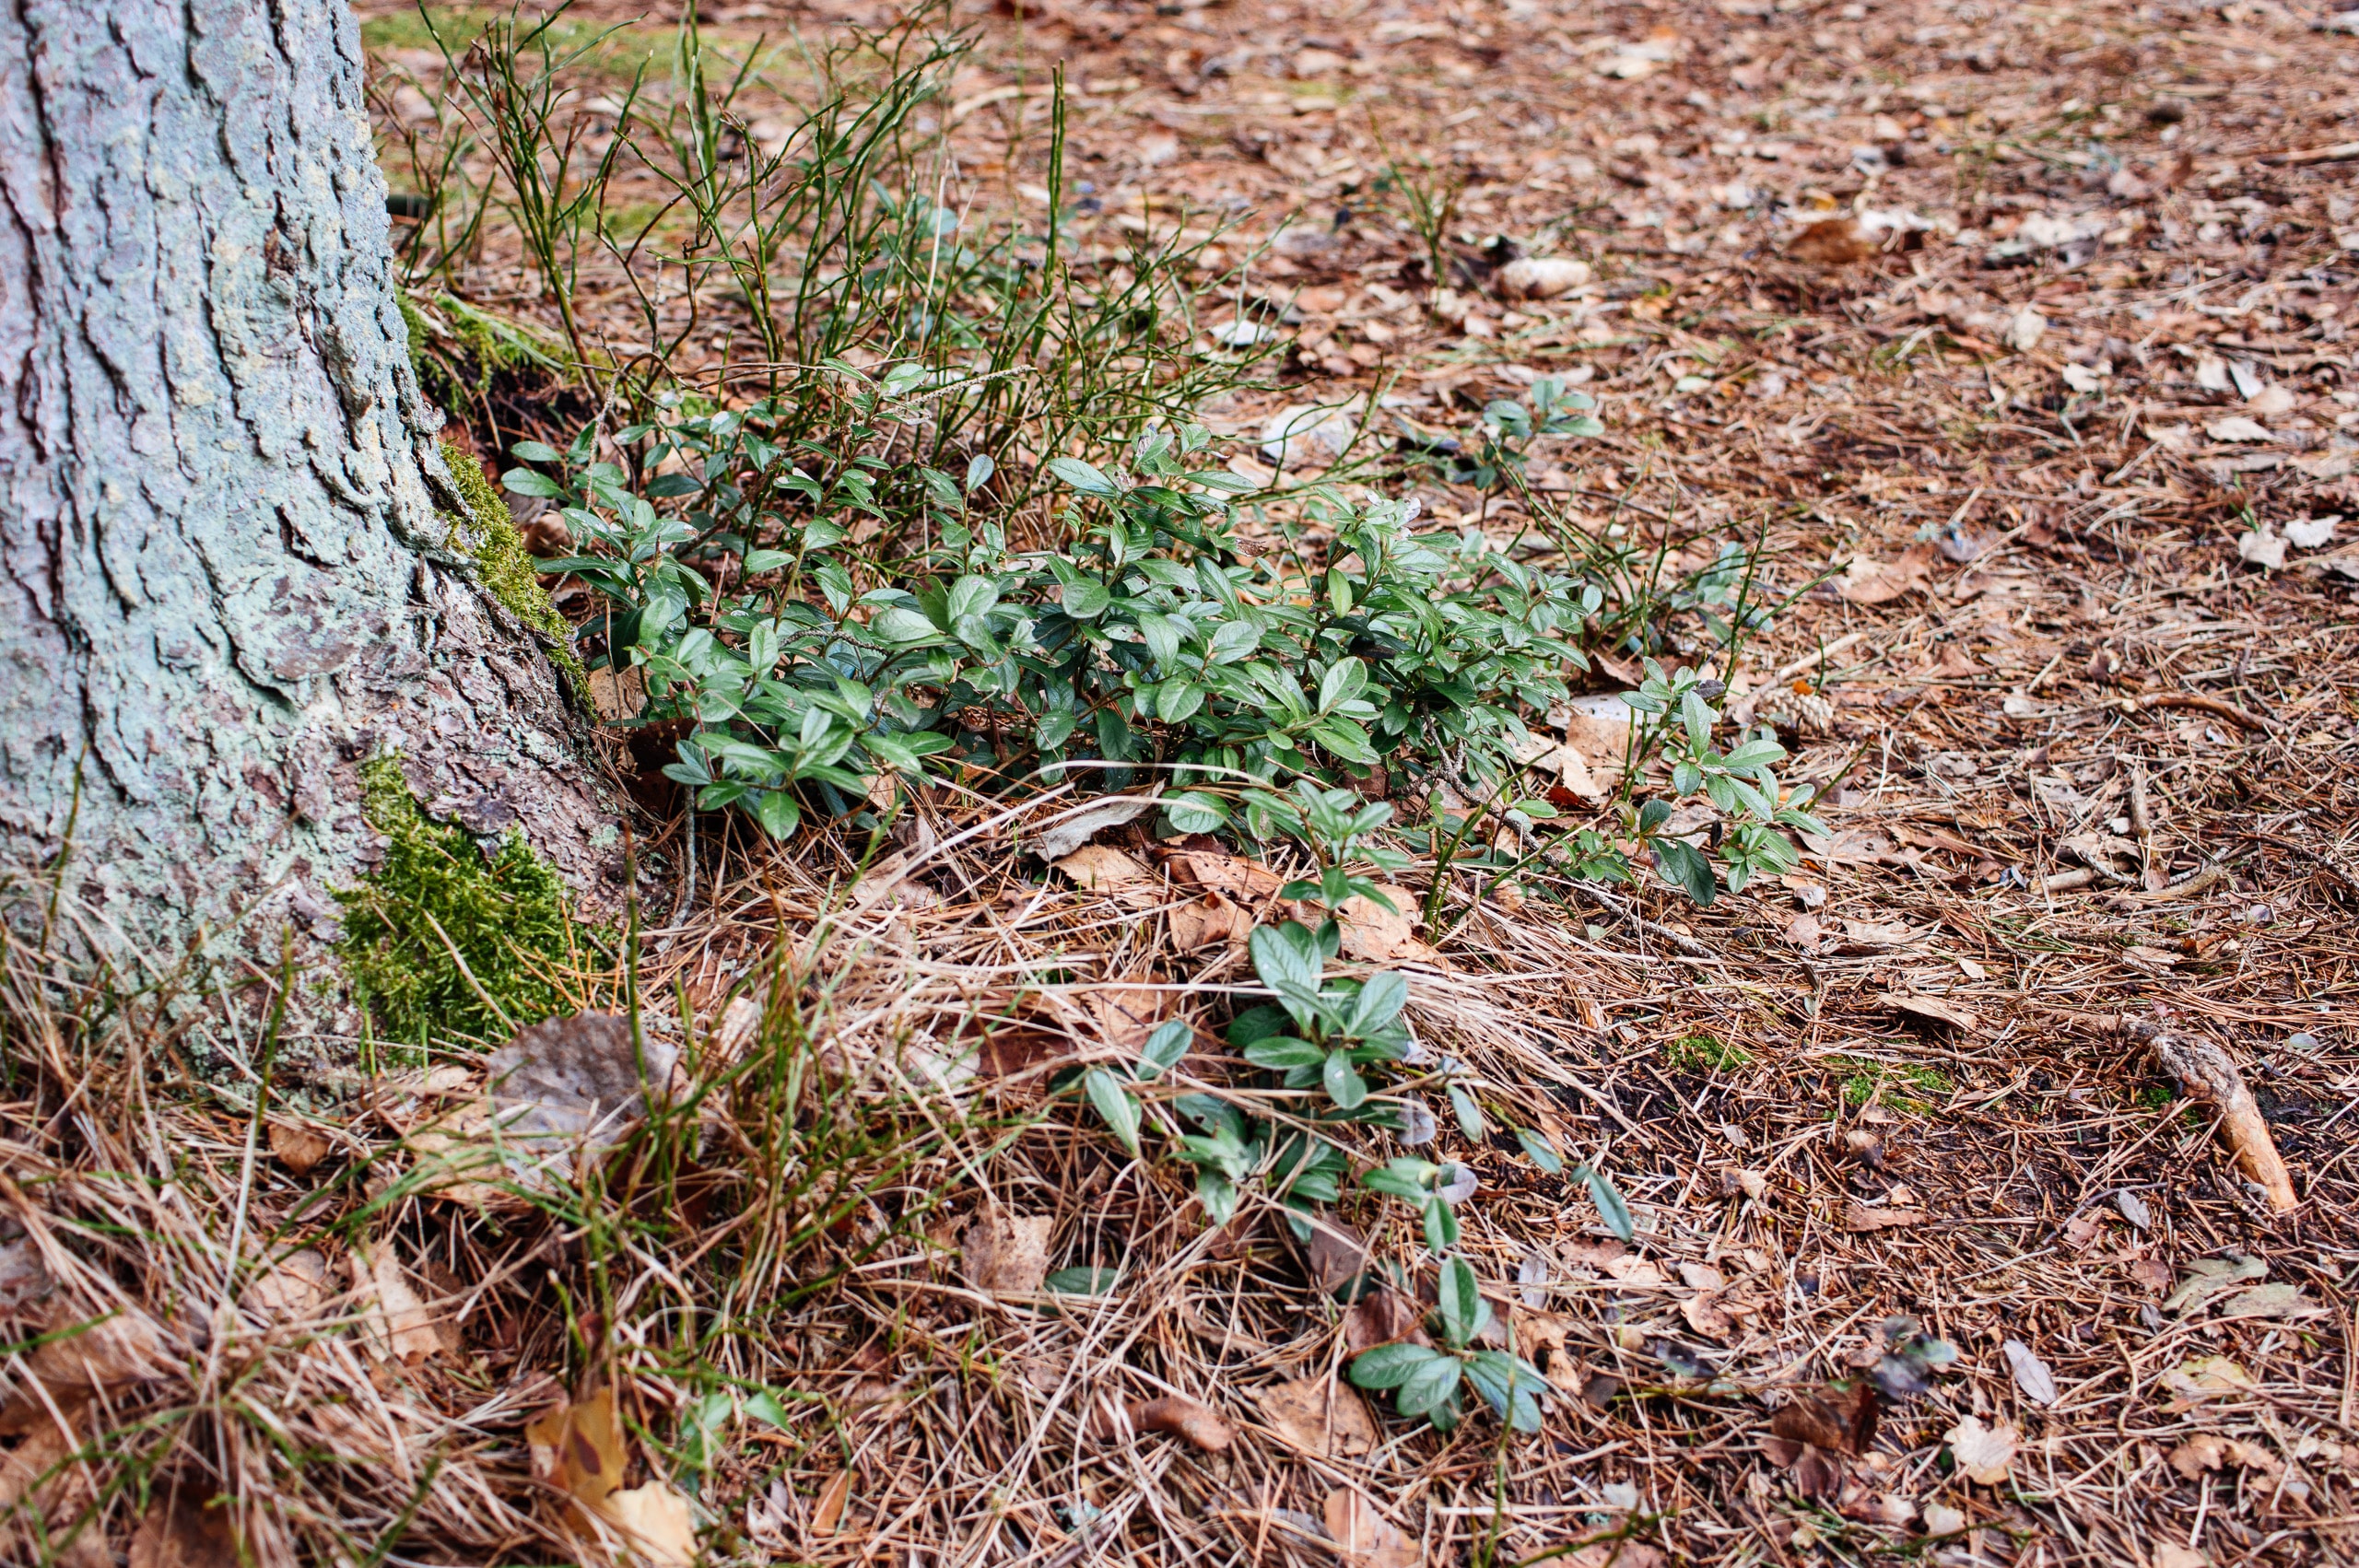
<point x="231" y="564"/>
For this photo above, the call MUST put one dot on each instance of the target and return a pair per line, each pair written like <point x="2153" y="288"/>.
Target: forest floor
<point x="2022" y="332"/>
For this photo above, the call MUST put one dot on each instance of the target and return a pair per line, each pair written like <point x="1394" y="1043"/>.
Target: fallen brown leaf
<point x="1621" y="1553"/>
<point x="1832" y="243"/>
<point x="1126" y="1015"/>
<point x="1381" y="1317"/>
<point x="1248" y="882"/>
<point x="1540" y="1338"/>
<point x="1837" y="1417"/>
<point x="1704" y="1315"/>
<point x="657" y="1522"/>
<point x="2209" y="1451"/>
<point x="1984" y="1454"/>
<point x="1859" y="1217"/>
<point x="24" y="1278"/>
<point x="1641" y="1272"/>
<point x="182" y="1531"/>
<point x="578" y="1449"/>
<point x="1100" y="868"/>
<point x="1364" y="1536"/>
<point x="827" y="1512"/>
<point x="1931" y="1009"/>
<point x="2205" y="1377"/>
<point x="299" y="1147"/>
<point x="1007" y="1254"/>
<point x="1804" y="932"/>
<point x="1865" y="581"/>
<point x="291" y="1288"/>
<point x="1172" y="1414"/>
<point x="1203" y="922"/>
<point x="1337" y="1253"/>
<point x="127" y="1347"/>
<point x="398" y="1325"/>
<point x="1373" y="934"/>
<point x="1319" y="1417"/>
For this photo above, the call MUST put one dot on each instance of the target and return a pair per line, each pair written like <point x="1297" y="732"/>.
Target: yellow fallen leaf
<point x="578" y="1448"/>
<point x="657" y="1522"/>
<point x="2207" y="1377"/>
<point x="828" y="1512"/>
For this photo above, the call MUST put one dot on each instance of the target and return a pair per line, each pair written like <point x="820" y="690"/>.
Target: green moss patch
<point x="506" y="569"/>
<point x="458" y="351"/>
<point x="1897" y="1086"/>
<point x="1705" y="1053"/>
<point x="436" y="901"/>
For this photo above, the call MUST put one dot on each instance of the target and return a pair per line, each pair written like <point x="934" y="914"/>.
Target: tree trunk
<point x="232" y="561"/>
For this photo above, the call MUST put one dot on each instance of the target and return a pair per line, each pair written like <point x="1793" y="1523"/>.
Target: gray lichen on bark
<point x="223" y="581"/>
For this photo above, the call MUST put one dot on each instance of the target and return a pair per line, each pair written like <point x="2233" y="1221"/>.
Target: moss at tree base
<point x="436" y="900"/>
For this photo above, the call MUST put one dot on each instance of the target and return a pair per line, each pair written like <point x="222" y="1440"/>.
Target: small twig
<point x="2200" y="704"/>
<point x="2336" y="153"/>
<point x="2188" y="886"/>
<point x="1687" y="944"/>
<point x="2141" y="821"/>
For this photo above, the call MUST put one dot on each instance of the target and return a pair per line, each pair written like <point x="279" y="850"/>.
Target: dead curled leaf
<point x="296" y="1146"/>
<point x="1173" y="1414"/>
<point x="1201" y="922"/>
<point x="1319" y="1417"/>
<point x="1983" y="1453"/>
<point x="2209" y="1451"/>
<point x="1811" y="1433"/>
